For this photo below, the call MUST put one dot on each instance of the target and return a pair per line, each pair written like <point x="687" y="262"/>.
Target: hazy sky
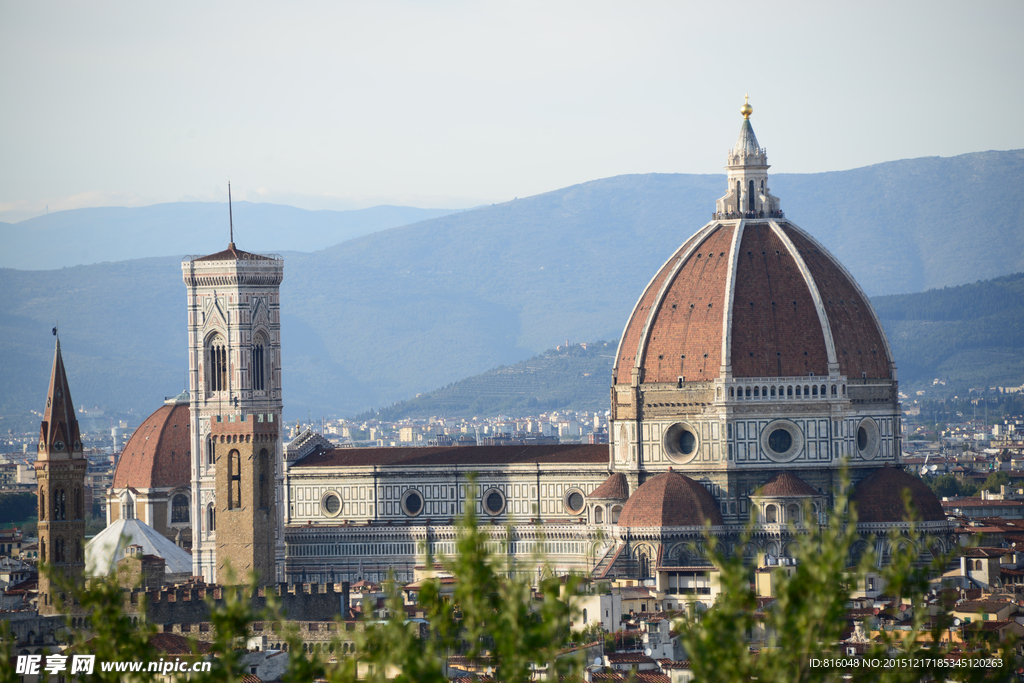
<point x="452" y="104"/>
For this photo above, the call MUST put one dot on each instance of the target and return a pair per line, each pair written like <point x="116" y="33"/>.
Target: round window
<point x="58" y="445"/>
<point x="574" y="502"/>
<point x="494" y="501"/>
<point x="681" y="442"/>
<point x="780" y="441"/>
<point x="412" y="502"/>
<point x="687" y="442"/>
<point x="331" y="504"/>
<point x="868" y="438"/>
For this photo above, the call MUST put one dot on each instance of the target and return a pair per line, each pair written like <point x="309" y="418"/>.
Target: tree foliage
<point x="806" y="621"/>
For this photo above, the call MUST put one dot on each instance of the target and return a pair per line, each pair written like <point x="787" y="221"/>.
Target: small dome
<point x="614" y="487"/>
<point x="670" y="499"/>
<point x="786" y="484"/>
<point x="879" y="498"/>
<point x="157" y="455"/>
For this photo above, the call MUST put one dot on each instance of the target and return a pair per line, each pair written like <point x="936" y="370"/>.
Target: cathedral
<point x="751" y="370"/>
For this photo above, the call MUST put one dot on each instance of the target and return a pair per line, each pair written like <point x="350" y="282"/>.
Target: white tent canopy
<point x="107" y="547"/>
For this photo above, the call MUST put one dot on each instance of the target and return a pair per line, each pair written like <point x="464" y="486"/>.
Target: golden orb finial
<point x="746" y="109"/>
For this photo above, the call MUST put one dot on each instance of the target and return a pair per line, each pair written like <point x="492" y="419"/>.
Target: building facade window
<point x="179" y="509"/>
<point x="216" y="365"/>
<point x="234" y="480"/>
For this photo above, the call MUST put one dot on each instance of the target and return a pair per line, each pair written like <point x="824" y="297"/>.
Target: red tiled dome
<point x="614" y="487"/>
<point x="157" y="455"/>
<point x="879" y="498"/>
<point x="670" y="499"/>
<point x="786" y="484"/>
<point x="678" y="325"/>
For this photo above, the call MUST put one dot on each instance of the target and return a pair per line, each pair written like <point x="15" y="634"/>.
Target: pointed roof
<point x="747" y="141"/>
<point x="59" y="430"/>
<point x="104" y="551"/>
<point x="786" y="484"/>
<point x="614" y="487"/>
<point x="233" y="254"/>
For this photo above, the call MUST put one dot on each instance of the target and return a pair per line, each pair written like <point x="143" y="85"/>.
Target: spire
<point x="231" y="221"/>
<point x="59" y="435"/>
<point x="747" y="194"/>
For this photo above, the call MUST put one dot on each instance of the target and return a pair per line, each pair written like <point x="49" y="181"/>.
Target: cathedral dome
<point x="751" y="295"/>
<point x="670" y="499"/>
<point x="615" y="487"/>
<point x="879" y="498"/>
<point x="157" y="455"/>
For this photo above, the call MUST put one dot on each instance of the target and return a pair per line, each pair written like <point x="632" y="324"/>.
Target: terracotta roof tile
<point x="456" y="455"/>
<point x="786" y="484"/>
<point x="879" y="497"/>
<point x="670" y="499"/>
<point x="233" y="254"/>
<point x="614" y="487"/>
<point x="157" y="455"/>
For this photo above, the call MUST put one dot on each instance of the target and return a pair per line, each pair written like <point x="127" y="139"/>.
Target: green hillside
<point x="573" y="378"/>
<point x="969" y="336"/>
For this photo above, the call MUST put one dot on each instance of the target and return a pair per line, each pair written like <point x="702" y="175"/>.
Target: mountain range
<point x="381" y="317"/>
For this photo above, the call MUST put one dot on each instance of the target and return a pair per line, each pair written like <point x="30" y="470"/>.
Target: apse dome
<point x="157" y="454"/>
<point x="879" y="498"/>
<point x="667" y="500"/>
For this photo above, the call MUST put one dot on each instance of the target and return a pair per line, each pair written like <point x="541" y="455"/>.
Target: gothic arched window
<point x="60" y="505"/>
<point x="179" y="509"/>
<point x="211" y="518"/>
<point x="42" y="506"/>
<point x="258" y="365"/>
<point x="216" y="365"/>
<point x="234" y="480"/>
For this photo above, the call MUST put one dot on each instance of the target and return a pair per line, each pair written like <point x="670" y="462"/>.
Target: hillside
<point x="972" y="335"/>
<point x="82" y="236"/>
<point x="379" y="318"/>
<point x="566" y="378"/>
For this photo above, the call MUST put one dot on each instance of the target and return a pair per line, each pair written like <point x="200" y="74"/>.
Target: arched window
<point x="79" y="503"/>
<point x="179" y="509"/>
<point x="764" y="391"/>
<point x="211" y="518"/>
<point x="234" y="480"/>
<point x="771" y="515"/>
<point x="834" y="393"/>
<point x="773" y="392"/>
<point x="129" y="509"/>
<point x="60" y="507"/>
<point x="614" y="518"/>
<point x="748" y="392"/>
<point x="42" y="506"/>
<point x="757" y="392"/>
<point x="752" y="199"/>
<point x="645" y="566"/>
<point x="814" y="390"/>
<point x="599" y="515"/>
<point x="264" y="480"/>
<point x="584" y="616"/>
<point x="789" y="391"/>
<point x="732" y="392"/>
<point x="58" y="551"/>
<point x="258" y="366"/>
<point x="793" y="513"/>
<point x="823" y="390"/>
<point x="216" y="365"/>
<point x="807" y="390"/>
<point x="211" y="450"/>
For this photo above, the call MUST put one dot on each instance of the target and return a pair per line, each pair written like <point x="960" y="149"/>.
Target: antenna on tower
<point x="231" y="219"/>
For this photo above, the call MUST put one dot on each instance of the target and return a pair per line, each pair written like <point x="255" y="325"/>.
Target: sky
<point x="449" y="104"/>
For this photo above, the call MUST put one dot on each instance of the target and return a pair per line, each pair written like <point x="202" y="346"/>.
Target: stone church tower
<point x="234" y="333"/>
<point x="60" y="471"/>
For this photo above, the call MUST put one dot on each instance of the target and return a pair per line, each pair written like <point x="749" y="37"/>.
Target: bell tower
<point x="234" y="337"/>
<point x="60" y="472"/>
